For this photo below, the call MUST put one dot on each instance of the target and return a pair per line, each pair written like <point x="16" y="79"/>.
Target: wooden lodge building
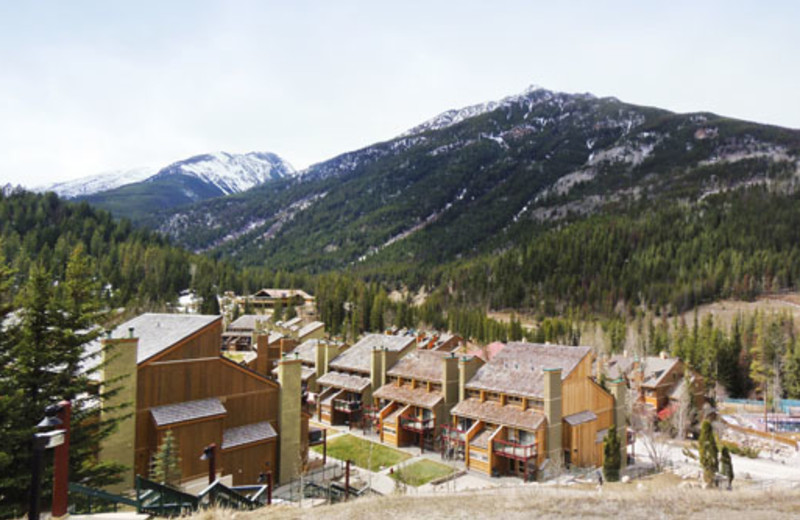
<point x="531" y="403"/>
<point x="268" y="299"/>
<point x="658" y="381"/>
<point x="416" y="400"/>
<point x="348" y="382"/>
<point x="170" y="368"/>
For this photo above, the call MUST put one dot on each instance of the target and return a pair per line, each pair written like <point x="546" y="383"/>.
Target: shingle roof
<point x="247" y="322"/>
<point x="158" y="332"/>
<point x="580" y="417"/>
<point x="655" y="368"/>
<point x="407" y="395"/>
<point x="305" y="372"/>
<point x="358" y="356"/>
<point x="424" y="365"/>
<point x="187" y="411"/>
<point x="344" y="381"/>
<point x="517" y="368"/>
<point x="307" y="350"/>
<point x="311" y="327"/>
<point x="495" y="413"/>
<point x="247" y="434"/>
<point x="619" y="366"/>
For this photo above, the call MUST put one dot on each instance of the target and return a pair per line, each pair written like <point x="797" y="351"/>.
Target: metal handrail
<point x="514" y="449"/>
<point x="454" y="433"/>
<point x="411" y="422"/>
<point x="344" y="405"/>
<point x="99" y="494"/>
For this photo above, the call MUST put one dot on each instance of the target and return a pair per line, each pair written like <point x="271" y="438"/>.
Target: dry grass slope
<point x="533" y="502"/>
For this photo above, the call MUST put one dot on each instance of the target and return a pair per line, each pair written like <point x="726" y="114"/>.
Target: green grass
<point x="421" y="472"/>
<point x="358" y="450"/>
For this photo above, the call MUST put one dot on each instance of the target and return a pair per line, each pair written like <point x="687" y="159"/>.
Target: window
<point x="514" y="400"/>
<point x="493" y="396"/>
<point x="474" y="394"/>
<point x="435" y="387"/>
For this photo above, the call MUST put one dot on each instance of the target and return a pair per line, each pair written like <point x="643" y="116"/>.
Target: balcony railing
<point x="345" y="406"/>
<point x="416" y="424"/>
<point x="453" y="434"/>
<point x="514" y="450"/>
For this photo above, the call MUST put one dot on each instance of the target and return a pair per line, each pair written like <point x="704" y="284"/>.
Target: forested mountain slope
<point x="482" y="179"/>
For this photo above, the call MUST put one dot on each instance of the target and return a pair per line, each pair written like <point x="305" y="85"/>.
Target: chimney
<point x="450" y="380"/>
<point x="119" y="368"/>
<point x="321" y="358"/>
<point x="467" y="366"/>
<point x="289" y="421"/>
<point x="375" y="367"/>
<point x="619" y="390"/>
<point x="552" y="411"/>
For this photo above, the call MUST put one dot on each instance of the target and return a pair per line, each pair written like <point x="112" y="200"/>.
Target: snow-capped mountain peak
<point x="231" y="173"/>
<point x="97" y="183"/>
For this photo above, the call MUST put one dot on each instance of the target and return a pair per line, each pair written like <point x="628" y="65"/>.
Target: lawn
<point x="358" y="450"/>
<point x="421" y="472"/>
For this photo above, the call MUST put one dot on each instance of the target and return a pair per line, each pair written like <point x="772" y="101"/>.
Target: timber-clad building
<point x="170" y="368"/>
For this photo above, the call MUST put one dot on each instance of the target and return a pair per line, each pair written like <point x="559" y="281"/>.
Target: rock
<point x="625" y="479"/>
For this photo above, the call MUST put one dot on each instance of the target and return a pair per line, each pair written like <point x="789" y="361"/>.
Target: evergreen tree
<point x="727" y="465"/>
<point x="708" y="453"/>
<point x="612" y="457"/>
<point x="167" y="461"/>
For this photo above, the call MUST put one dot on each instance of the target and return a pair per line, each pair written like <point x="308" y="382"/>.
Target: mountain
<point x="138" y="193"/>
<point x="97" y="183"/>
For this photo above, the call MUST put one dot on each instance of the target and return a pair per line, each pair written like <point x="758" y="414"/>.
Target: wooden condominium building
<point x="170" y="368"/>
<point x="532" y="403"/>
<point x="439" y="341"/>
<point x="315" y="356"/>
<point x="347" y="386"/>
<point x="271" y="298"/>
<point x="416" y="400"/>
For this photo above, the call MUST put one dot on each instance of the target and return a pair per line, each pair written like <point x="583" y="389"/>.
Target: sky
<point x="93" y="86"/>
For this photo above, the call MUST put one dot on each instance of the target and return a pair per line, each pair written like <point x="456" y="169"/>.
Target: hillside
<point x="500" y="177"/>
<point x="542" y="502"/>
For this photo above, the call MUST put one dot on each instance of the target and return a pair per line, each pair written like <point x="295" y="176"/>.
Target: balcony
<point x="416" y="424"/>
<point x="346" y="406"/>
<point x="514" y="450"/>
<point x="452" y="434"/>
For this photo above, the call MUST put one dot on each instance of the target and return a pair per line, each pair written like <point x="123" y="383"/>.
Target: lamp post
<point x="61" y="464"/>
<point x="43" y="441"/>
<point x="210" y="454"/>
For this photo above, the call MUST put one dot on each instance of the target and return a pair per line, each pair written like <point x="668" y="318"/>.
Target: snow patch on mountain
<point x="231" y="173"/>
<point x="97" y="183"/>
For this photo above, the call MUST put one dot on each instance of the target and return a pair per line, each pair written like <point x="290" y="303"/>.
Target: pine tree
<point x="612" y="458"/>
<point x="727" y="465"/>
<point x="44" y="360"/>
<point x="708" y="453"/>
<point x="167" y="461"/>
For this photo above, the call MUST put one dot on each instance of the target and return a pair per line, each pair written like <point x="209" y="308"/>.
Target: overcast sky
<point x="87" y="87"/>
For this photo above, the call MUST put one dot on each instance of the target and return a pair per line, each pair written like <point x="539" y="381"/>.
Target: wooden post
<point x="61" y="465"/>
<point x="347" y="480"/>
<point x="269" y="487"/>
<point x="209" y="454"/>
<point x="324" y="447"/>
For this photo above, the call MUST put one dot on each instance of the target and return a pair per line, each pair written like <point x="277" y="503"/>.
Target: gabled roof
<point x="308" y="329"/>
<point x="358" y="357"/>
<point x="158" y="332"/>
<point x="656" y="368"/>
<point x="247" y="322"/>
<point x="517" y="368"/>
<point x="187" y="411"/>
<point x="345" y="381"/>
<point x="423" y="365"/>
<point x="307" y="350"/>
<point x="282" y="293"/>
<point x="241" y="435"/>
<point x="407" y="395"/>
<point x="495" y="413"/>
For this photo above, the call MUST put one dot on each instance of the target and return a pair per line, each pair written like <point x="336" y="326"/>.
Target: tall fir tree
<point x="709" y="458"/>
<point x="612" y="457"/>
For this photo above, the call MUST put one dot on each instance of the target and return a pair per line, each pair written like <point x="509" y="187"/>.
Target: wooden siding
<point x="247" y="462"/>
<point x="192" y="438"/>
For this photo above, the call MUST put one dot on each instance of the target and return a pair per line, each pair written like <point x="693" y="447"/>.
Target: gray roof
<point x="247" y="434"/>
<point x="580" y="418"/>
<point x="158" y="332"/>
<point x="517" y="369"/>
<point x="655" y="368"/>
<point x="496" y="413"/>
<point x="247" y="322"/>
<point x="187" y="411"/>
<point x="423" y="365"/>
<point x="307" y="350"/>
<point x="405" y="394"/>
<point x="311" y="327"/>
<point x="358" y="357"/>
<point x="345" y="381"/>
